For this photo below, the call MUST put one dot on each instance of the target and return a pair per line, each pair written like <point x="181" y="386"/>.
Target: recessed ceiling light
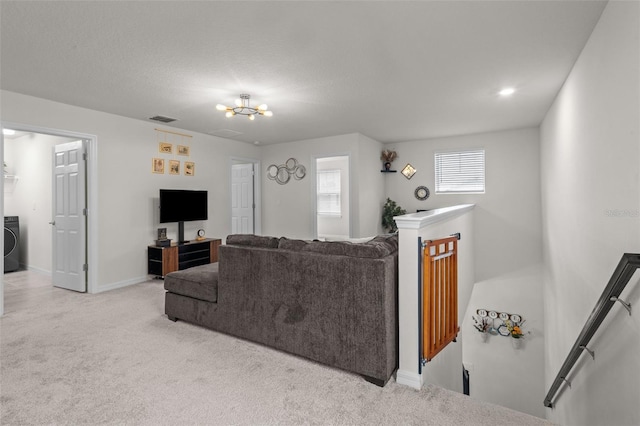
<point x="8" y="132"/>
<point x="507" y="91"/>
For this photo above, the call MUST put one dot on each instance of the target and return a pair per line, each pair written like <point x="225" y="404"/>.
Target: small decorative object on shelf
<point x="162" y="233"/>
<point x="387" y="156"/>
<point x="162" y="240"/>
<point x="200" y="234"/>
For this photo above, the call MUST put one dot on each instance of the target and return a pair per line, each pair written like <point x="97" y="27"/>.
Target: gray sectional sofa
<point x="332" y="302"/>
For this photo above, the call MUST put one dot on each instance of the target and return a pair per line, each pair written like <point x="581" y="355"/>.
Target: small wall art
<point x="282" y="173"/>
<point x="408" y="171"/>
<point x="174" y="167"/>
<point x="157" y="165"/>
<point x="183" y="150"/>
<point x="189" y="168"/>
<point x="165" y="148"/>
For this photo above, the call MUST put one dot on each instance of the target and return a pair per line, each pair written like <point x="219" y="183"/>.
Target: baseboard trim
<point x="408" y="378"/>
<point x="121" y="284"/>
<point x="35" y="269"/>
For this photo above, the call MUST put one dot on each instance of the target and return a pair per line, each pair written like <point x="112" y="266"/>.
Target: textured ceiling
<point x="394" y="70"/>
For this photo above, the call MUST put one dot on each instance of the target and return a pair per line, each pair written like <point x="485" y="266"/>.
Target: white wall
<point x="30" y="158"/>
<point x="498" y="373"/>
<point x="590" y="150"/>
<point x="127" y="190"/>
<point x="507" y="216"/>
<point x="288" y="209"/>
<point x="371" y="186"/>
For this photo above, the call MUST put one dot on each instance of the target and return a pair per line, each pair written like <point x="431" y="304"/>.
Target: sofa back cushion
<point x="380" y="246"/>
<point x="252" y="240"/>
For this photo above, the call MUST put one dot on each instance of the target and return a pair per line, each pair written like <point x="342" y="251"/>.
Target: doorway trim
<point x="314" y="190"/>
<point x="257" y="191"/>
<point x="91" y="142"/>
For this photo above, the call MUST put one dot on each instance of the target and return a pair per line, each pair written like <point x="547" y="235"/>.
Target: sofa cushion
<point x="199" y="282"/>
<point x="380" y="246"/>
<point x="252" y="240"/>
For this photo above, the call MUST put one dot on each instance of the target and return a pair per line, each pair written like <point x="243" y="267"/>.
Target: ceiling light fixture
<point x="8" y="132"/>
<point x="507" y="91"/>
<point x="243" y="108"/>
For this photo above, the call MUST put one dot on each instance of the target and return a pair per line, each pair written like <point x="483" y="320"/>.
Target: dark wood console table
<point x="162" y="260"/>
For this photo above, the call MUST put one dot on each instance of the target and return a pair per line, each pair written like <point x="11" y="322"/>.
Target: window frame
<point x="320" y="193"/>
<point x="479" y="157"/>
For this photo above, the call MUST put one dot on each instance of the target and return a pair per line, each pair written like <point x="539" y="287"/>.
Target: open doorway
<point x="28" y="157"/>
<point x="333" y="219"/>
<point x="28" y="197"/>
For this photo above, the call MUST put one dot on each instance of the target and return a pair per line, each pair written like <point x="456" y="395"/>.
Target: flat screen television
<point x="183" y="205"/>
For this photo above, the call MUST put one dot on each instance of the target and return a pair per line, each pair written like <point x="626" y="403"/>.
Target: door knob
<point x="52" y="223"/>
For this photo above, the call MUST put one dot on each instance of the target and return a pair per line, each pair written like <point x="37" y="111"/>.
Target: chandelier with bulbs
<point x="244" y="108"/>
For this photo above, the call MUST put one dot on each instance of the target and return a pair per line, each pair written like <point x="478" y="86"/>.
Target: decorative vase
<point x="516" y="343"/>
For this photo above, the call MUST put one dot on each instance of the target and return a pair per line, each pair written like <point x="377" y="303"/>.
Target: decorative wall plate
<point x="272" y="171"/>
<point x="503" y="330"/>
<point x="516" y="318"/>
<point x="300" y="172"/>
<point x="504" y="316"/>
<point x="482" y="312"/>
<point x="421" y="193"/>
<point x="291" y="164"/>
<point x="408" y="171"/>
<point x="283" y="175"/>
<point x="493" y="314"/>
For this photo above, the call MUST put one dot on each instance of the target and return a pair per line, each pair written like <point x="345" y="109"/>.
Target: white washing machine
<point x="11" y="243"/>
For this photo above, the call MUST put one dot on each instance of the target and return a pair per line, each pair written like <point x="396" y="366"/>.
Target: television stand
<point x="179" y="256"/>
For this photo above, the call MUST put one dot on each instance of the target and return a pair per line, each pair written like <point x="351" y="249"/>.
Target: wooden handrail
<point x="621" y="276"/>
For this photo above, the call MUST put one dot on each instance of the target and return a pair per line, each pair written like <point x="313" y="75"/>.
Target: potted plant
<point x="482" y="325"/>
<point x="387" y="156"/>
<point x="515" y="331"/>
<point x="390" y="210"/>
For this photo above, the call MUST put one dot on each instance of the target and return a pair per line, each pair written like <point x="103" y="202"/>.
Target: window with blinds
<point x="328" y="191"/>
<point x="459" y="171"/>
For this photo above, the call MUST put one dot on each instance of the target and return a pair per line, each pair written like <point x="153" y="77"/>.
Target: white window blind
<point x="328" y="191"/>
<point x="459" y="171"/>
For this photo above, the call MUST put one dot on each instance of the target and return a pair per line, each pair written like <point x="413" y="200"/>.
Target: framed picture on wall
<point x="174" y="167"/>
<point x="183" y="150"/>
<point x="408" y="171"/>
<point x="165" y="148"/>
<point x="189" y="168"/>
<point x="157" y="165"/>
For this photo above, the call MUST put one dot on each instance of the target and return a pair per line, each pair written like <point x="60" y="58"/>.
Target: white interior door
<point x="69" y="216"/>
<point x="242" y="202"/>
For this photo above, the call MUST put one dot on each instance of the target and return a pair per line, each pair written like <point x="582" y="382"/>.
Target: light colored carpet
<point x="114" y="358"/>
